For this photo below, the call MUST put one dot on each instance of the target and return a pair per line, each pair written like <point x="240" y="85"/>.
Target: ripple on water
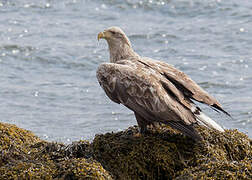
<point x="49" y="54"/>
<point x="15" y="47"/>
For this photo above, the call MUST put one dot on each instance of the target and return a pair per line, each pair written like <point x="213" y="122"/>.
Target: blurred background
<point x="49" y="55"/>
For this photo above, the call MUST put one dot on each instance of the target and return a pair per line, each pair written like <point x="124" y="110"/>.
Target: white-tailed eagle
<point x="155" y="91"/>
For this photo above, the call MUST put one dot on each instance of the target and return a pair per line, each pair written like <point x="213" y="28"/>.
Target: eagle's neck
<point x="121" y="51"/>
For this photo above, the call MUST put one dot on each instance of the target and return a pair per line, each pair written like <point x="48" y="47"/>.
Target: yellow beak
<point x="101" y="35"/>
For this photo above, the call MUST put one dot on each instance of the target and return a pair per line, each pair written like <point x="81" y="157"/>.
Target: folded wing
<point x="184" y="83"/>
<point x="142" y="90"/>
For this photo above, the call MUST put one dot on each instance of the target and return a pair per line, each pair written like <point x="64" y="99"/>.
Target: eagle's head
<point x="115" y="37"/>
<point x="119" y="44"/>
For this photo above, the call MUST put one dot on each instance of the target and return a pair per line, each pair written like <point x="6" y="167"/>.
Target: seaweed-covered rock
<point x="223" y="156"/>
<point x="81" y="168"/>
<point x="162" y="154"/>
<point x="14" y="142"/>
<point x="24" y="156"/>
<point x="168" y="155"/>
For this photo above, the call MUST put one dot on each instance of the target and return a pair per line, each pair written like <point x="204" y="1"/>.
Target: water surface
<point x="49" y="55"/>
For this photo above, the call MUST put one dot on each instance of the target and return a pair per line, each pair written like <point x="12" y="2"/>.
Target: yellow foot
<point x="137" y="135"/>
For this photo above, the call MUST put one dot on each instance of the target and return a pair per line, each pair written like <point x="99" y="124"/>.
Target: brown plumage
<point x="154" y="90"/>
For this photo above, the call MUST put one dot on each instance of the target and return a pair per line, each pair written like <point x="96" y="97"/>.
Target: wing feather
<point x="139" y="88"/>
<point x="184" y="83"/>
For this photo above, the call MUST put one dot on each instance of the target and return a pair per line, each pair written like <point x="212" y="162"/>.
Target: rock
<point x="162" y="154"/>
<point x="25" y="156"/>
<point x="169" y="155"/>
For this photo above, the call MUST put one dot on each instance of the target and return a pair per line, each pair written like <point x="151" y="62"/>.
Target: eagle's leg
<point x="141" y="123"/>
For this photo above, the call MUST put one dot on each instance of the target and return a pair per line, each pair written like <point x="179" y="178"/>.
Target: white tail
<point x="207" y="121"/>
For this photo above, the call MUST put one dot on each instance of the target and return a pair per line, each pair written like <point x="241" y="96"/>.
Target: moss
<point x="24" y="156"/>
<point x="168" y="155"/>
